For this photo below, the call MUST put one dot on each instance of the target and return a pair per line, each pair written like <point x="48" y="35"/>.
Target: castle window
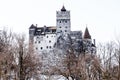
<point x="47" y="47"/>
<point x="60" y="27"/>
<point x="60" y="21"/>
<point x="35" y="42"/>
<point x="50" y="47"/>
<point x="41" y="48"/>
<point x="39" y="41"/>
<point x="60" y="30"/>
<point x="65" y="30"/>
<point x="65" y="26"/>
<point x="36" y="48"/>
<point x="47" y="36"/>
<point x="65" y="21"/>
<point x="37" y="37"/>
<point x="49" y="41"/>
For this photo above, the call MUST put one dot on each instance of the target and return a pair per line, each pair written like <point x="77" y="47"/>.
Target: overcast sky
<point x="101" y="16"/>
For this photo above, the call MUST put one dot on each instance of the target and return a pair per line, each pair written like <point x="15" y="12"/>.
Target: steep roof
<point x="87" y="34"/>
<point x="32" y="26"/>
<point x="63" y="8"/>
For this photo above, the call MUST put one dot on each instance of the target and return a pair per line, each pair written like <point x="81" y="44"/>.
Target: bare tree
<point x="17" y="59"/>
<point x="28" y="63"/>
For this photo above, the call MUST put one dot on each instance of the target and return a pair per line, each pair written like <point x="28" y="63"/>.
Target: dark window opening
<point x="37" y="37"/>
<point x="36" y="48"/>
<point x="39" y="41"/>
<point x="65" y="30"/>
<point x="65" y="21"/>
<point x="49" y="41"/>
<point x="50" y="47"/>
<point x="41" y="47"/>
<point x="46" y="46"/>
<point x="47" y="36"/>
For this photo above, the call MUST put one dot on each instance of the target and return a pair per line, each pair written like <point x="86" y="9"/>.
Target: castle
<point x="47" y="38"/>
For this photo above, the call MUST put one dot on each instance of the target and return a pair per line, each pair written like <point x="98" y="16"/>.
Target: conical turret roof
<point x="63" y="8"/>
<point x="32" y="26"/>
<point x="87" y="34"/>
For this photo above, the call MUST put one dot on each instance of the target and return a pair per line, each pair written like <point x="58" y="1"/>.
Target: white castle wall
<point x="44" y="42"/>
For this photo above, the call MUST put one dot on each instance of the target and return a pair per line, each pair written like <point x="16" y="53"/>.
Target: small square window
<point x="37" y="37"/>
<point x="50" y="47"/>
<point x="36" y="48"/>
<point x="39" y="42"/>
<point x="60" y="27"/>
<point x="65" y="21"/>
<point x="35" y="41"/>
<point x="46" y="46"/>
<point x="47" y="36"/>
<point x="49" y="41"/>
<point x="41" y="48"/>
<point x="65" y="30"/>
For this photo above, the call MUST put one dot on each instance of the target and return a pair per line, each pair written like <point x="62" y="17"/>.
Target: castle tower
<point x="63" y="21"/>
<point x="32" y="32"/>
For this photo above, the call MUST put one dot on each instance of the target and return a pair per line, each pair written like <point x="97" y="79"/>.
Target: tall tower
<point x="32" y="32"/>
<point x="63" y="21"/>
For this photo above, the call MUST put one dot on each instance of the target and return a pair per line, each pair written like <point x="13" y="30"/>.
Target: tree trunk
<point x="21" y="75"/>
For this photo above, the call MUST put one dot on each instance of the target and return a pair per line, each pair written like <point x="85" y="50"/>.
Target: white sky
<point x="101" y="16"/>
